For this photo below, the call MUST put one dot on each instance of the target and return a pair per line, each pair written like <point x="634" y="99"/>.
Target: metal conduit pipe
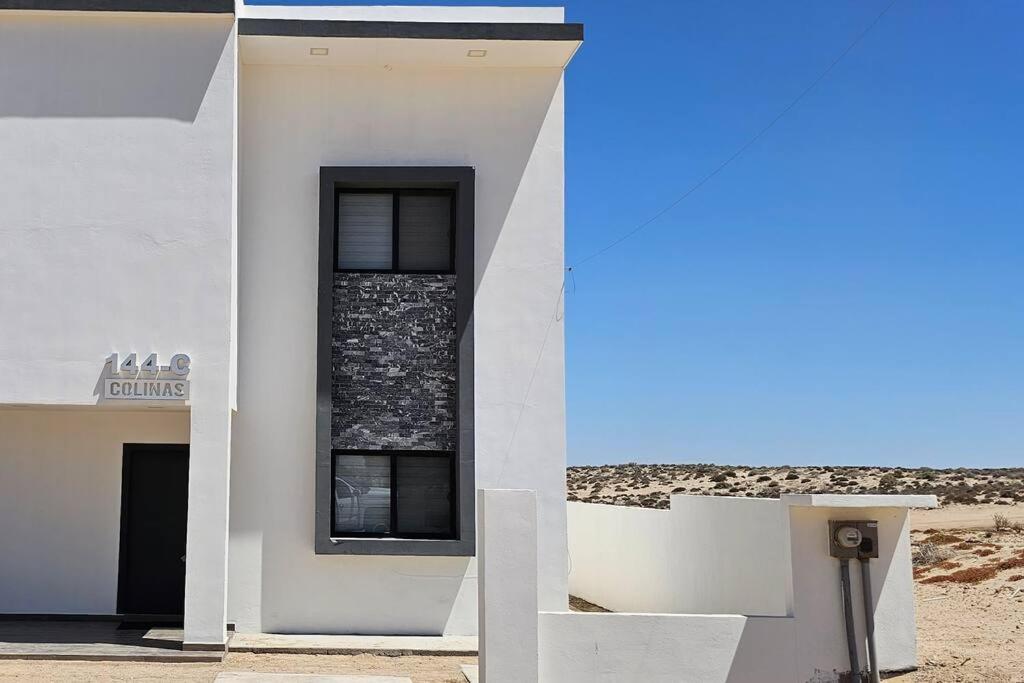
<point x="851" y="633"/>
<point x="869" y="619"/>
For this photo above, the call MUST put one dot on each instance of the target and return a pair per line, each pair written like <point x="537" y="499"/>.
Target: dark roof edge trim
<point x="315" y="28"/>
<point x="182" y="6"/>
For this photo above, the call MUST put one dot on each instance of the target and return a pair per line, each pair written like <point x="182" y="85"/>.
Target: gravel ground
<point x="420" y="669"/>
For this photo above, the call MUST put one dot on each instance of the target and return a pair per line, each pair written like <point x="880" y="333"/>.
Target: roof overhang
<point x="399" y="36"/>
<point x="179" y="6"/>
<point x="367" y="43"/>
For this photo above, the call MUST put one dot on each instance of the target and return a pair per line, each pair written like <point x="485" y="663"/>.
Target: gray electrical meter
<point x="853" y="540"/>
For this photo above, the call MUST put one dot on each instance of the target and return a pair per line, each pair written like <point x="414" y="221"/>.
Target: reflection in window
<point x="399" y="494"/>
<point x="362" y="494"/>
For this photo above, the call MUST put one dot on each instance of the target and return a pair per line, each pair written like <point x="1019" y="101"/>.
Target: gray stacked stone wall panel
<point x="393" y="351"/>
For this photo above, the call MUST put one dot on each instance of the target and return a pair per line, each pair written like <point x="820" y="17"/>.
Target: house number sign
<point x="130" y="380"/>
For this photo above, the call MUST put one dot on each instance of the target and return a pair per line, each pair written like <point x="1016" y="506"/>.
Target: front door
<point x="154" y="511"/>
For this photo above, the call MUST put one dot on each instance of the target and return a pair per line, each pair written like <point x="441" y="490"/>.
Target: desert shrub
<point x="984" y="552"/>
<point x="948" y="564"/>
<point x="930" y="553"/>
<point x="969" y="575"/>
<point x="1001" y="522"/>
<point x="942" y="538"/>
<point x="1016" y="577"/>
<point x="719" y="478"/>
<point x="1011" y="563"/>
<point x="773" y="484"/>
<point x="764" y="477"/>
<point x="888" y="481"/>
<point x="791" y="476"/>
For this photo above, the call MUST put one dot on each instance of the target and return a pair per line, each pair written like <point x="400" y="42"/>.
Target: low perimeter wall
<point x="753" y="557"/>
<point x="665" y="648"/>
<point x="765" y="554"/>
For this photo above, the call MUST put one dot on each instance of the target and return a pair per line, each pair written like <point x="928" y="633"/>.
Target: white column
<point x="507" y="565"/>
<point x="206" y="553"/>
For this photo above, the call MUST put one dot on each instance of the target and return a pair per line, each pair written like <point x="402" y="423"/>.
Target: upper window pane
<point x="362" y="494"/>
<point x="364" y="231"/>
<point x="425" y="230"/>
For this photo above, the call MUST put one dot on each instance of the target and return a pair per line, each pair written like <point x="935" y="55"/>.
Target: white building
<point x="280" y="302"/>
<point x="273" y="286"/>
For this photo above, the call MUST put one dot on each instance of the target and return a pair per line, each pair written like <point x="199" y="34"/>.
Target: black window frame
<point x="396" y="214"/>
<point x="461" y="180"/>
<point x="394" y="455"/>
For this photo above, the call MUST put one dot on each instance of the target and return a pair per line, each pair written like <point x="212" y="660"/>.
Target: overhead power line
<point x="745" y="146"/>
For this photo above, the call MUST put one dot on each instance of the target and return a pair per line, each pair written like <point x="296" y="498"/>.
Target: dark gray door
<point x="154" y="512"/>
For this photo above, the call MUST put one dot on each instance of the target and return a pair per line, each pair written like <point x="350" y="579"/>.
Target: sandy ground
<point x="652" y="485"/>
<point x="420" y="669"/>
<point x="970" y="605"/>
<point x="964" y="516"/>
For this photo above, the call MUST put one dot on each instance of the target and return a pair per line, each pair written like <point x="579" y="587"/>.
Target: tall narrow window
<point x="400" y="231"/>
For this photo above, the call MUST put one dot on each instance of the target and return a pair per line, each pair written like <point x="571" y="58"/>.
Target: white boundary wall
<point x="665" y="648"/>
<point x="704" y="556"/>
<point x="719" y="555"/>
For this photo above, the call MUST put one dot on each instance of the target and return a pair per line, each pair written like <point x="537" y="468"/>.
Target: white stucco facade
<point x="158" y="194"/>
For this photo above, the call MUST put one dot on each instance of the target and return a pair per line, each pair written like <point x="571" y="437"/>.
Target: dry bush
<point x="930" y="553"/>
<point x="969" y="575"/>
<point x="1001" y="522"/>
<point x="1016" y="577"/>
<point x="948" y="564"/>
<point x="941" y="538"/>
<point x="1011" y="563"/>
<point x="984" y="552"/>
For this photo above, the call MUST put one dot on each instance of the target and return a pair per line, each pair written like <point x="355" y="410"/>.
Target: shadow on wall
<point x="503" y="182"/>
<point x="496" y="125"/>
<point x="108" y="66"/>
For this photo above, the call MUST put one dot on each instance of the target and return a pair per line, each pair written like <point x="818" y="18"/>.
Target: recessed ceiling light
<point x="477" y="53"/>
<point x="318" y="51"/>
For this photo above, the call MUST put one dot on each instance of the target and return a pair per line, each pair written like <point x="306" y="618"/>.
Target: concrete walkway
<point x="248" y="677"/>
<point x="94" y="641"/>
<point x="392" y="646"/>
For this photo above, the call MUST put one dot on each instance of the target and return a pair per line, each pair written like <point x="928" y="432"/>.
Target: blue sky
<point x="850" y="290"/>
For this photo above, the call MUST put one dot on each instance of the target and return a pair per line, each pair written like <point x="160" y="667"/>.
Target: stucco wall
<point x="60" y="510"/>
<point x="704" y="555"/>
<point x="508" y="124"/>
<point x="817" y="600"/>
<point x="116" y="209"/>
<point x="665" y="648"/>
<point x="115" y="196"/>
<point x="770" y="558"/>
<point x="621" y="557"/>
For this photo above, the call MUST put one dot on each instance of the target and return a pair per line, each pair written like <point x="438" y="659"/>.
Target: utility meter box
<point x="853" y="540"/>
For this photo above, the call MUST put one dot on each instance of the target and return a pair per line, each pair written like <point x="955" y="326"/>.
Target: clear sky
<point x="851" y="289"/>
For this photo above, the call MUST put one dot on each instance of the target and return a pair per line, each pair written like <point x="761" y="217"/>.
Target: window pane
<point x="424" y="235"/>
<point x="362" y="494"/>
<point x="424" y="495"/>
<point x="364" y="231"/>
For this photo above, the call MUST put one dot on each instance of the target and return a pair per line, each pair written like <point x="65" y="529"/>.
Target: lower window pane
<point x="425" y="495"/>
<point x="362" y="494"/>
